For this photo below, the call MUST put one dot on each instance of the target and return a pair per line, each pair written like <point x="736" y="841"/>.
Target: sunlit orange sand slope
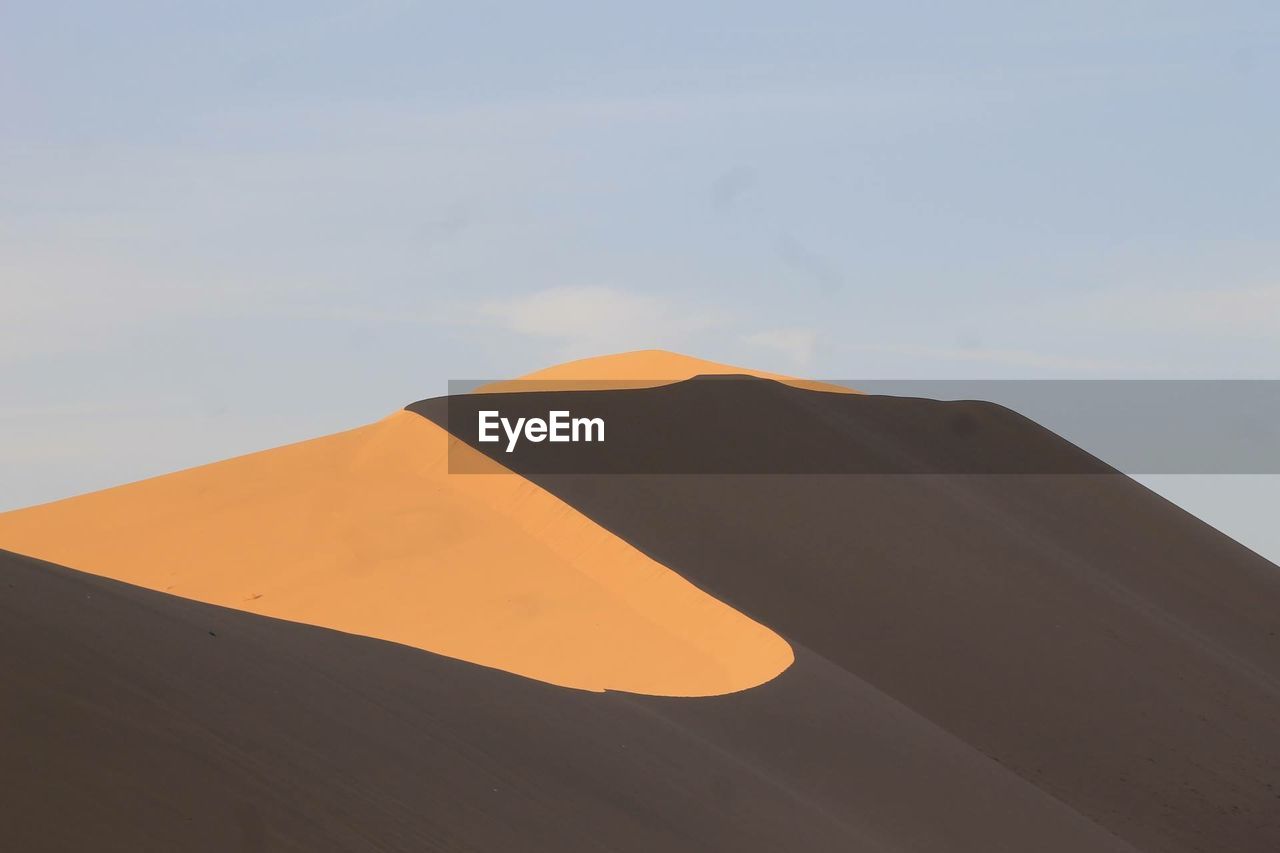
<point x="366" y="532"/>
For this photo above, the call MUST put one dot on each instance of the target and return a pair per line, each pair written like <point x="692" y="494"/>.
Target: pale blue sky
<point x="228" y="226"/>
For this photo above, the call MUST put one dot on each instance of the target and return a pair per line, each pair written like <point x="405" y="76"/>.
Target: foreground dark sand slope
<point x="138" y="721"/>
<point x="1083" y="633"/>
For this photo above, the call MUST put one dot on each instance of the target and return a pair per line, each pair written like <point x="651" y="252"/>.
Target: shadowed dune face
<point x="1102" y="644"/>
<point x="366" y="532"/>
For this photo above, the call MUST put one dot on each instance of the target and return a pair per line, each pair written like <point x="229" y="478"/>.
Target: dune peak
<point x="645" y="368"/>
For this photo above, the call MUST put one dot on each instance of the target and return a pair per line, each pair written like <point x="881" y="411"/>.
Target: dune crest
<point x="638" y="369"/>
<point x="366" y="532"/>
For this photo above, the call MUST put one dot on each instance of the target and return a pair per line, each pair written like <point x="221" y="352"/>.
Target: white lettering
<point x="487" y="423"/>
<point x="587" y="424"/>
<point x="513" y="434"/>
<point x="559" y="426"/>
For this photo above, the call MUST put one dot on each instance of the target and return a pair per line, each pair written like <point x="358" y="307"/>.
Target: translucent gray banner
<point x="1134" y="426"/>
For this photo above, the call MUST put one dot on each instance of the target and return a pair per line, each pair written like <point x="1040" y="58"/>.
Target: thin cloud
<point x="598" y="317"/>
<point x="1008" y="357"/>
<point x="796" y="344"/>
<point x="1252" y="311"/>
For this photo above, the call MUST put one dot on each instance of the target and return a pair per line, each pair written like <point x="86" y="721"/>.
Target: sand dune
<point x="993" y="641"/>
<point x="366" y="532"/>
